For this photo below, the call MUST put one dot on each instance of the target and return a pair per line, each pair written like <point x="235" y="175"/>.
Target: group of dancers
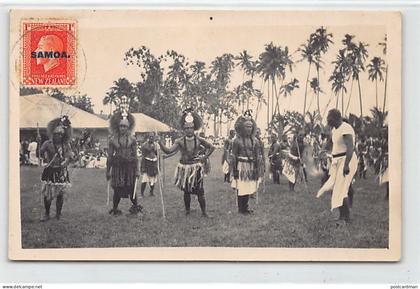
<point x="243" y="162"/>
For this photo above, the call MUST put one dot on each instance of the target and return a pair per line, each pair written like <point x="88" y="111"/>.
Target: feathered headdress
<point x="121" y="114"/>
<point x="60" y="125"/>
<point x="239" y="124"/>
<point x="190" y="116"/>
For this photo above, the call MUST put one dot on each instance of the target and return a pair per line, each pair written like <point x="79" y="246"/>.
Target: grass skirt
<point x="55" y="182"/>
<point x="189" y="177"/>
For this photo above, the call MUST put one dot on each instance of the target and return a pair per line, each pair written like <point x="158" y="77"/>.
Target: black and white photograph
<point x="205" y="135"/>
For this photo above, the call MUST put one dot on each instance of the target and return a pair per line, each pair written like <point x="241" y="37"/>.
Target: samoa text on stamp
<point x="49" y="53"/>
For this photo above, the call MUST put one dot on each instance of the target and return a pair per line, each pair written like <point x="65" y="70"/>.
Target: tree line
<point x="169" y="83"/>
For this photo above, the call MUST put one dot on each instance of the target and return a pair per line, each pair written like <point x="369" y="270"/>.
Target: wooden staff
<point x="301" y="167"/>
<point x="160" y="182"/>
<point x="135" y="188"/>
<point x="108" y="188"/>
<point x="38" y="140"/>
<point x="107" y="193"/>
<point x="163" y="172"/>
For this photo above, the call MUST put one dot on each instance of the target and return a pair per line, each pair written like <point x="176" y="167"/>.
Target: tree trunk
<point x="360" y="97"/>
<point x="215" y="125"/>
<point x="272" y="99"/>
<point x="351" y="93"/>
<point x="277" y="109"/>
<point x="376" y="90"/>
<point x="306" y="88"/>
<point x="319" y="88"/>
<point x="342" y="102"/>
<point x="268" y="103"/>
<point x="259" y="102"/>
<point x="326" y="107"/>
<point x="257" y="110"/>
<point x="386" y="81"/>
<point x="220" y="123"/>
<point x="247" y="101"/>
<point x="336" y="101"/>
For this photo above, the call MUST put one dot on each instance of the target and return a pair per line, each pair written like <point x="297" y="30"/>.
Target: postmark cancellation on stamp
<point x="49" y="53"/>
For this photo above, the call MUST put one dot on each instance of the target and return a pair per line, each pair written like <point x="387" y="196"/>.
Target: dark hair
<point x="239" y="125"/>
<point x="114" y="122"/>
<point x="335" y="113"/>
<point x="68" y="131"/>
<point x="196" y="119"/>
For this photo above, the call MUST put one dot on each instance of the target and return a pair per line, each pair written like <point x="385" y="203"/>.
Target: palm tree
<point x="268" y="69"/>
<point x="316" y="89"/>
<point x="340" y="76"/>
<point x="272" y="65"/>
<point x="357" y="54"/>
<point x="286" y="89"/>
<point x="384" y="50"/>
<point x="244" y="61"/>
<point x="338" y="80"/>
<point x="350" y="63"/>
<point x="378" y="117"/>
<point x="307" y="54"/>
<point x="375" y="70"/>
<point x="248" y="67"/>
<point x="221" y="69"/>
<point x="122" y="87"/>
<point x="196" y="88"/>
<point x="109" y="99"/>
<point x="320" y="42"/>
<point x="360" y="56"/>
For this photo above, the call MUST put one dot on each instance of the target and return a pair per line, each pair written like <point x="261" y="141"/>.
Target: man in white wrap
<point x="343" y="167"/>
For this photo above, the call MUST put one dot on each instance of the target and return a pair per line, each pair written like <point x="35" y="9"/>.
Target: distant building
<point x="37" y="110"/>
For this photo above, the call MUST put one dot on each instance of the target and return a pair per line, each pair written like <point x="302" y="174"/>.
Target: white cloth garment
<point x="225" y="167"/>
<point x="244" y="185"/>
<point x="337" y="182"/>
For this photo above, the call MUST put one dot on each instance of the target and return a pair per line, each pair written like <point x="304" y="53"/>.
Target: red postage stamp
<point x="49" y="53"/>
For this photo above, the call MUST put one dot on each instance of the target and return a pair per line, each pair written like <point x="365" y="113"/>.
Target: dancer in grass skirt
<point x="57" y="154"/>
<point x="195" y="151"/>
<point x="122" y="163"/>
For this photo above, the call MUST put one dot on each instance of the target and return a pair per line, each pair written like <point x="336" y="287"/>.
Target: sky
<point x="104" y="38"/>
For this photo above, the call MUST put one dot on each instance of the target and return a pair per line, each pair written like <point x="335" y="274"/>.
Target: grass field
<point x="281" y="219"/>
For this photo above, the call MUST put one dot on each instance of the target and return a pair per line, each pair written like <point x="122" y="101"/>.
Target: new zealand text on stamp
<point x="49" y="53"/>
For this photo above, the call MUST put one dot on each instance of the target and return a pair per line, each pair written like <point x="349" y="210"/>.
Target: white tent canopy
<point x="38" y="109"/>
<point x="145" y="123"/>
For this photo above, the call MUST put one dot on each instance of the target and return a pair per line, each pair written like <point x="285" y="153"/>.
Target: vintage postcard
<point x="187" y="135"/>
